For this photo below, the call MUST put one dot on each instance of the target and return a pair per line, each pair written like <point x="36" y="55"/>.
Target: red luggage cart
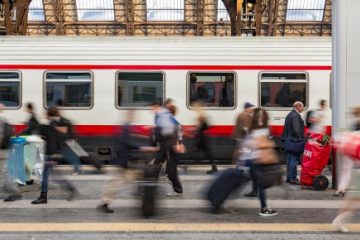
<point x="315" y="158"/>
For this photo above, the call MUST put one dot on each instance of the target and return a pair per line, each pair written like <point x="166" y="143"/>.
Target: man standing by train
<point x="294" y="142"/>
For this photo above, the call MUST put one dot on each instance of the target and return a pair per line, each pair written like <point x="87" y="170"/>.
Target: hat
<point x="248" y="105"/>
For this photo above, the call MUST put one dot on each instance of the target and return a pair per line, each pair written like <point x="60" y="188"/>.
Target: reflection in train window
<point x="139" y="89"/>
<point x="212" y="89"/>
<point x="68" y="89"/>
<point x="10" y="89"/>
<point x="279" y="90"/>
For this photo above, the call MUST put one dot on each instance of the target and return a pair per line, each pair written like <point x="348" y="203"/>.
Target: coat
<point x="294" y="126"/>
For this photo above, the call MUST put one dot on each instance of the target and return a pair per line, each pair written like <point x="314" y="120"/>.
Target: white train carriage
<point x="95" y="80"/>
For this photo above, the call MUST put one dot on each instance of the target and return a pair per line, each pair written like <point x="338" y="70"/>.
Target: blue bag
<point x="294" y="145"/>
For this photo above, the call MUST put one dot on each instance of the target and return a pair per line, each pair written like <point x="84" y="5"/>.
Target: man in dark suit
<point x="294" y="128"/>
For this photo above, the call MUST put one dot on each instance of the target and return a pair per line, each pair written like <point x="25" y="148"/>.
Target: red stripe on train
<point x="159" y="67"/>
<point x="108" y="130"/>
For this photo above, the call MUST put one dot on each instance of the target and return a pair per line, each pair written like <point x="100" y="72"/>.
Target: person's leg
<point x="288" y="168"/>
<point x="173" y="173"/>
<point x="254" y="190"/>
<point x="112" y="188"/>
<point x="71" y="158"/>
<point x="293" y="162"/>
<point x="42" y="199"/>
<point x="204" y="145"/>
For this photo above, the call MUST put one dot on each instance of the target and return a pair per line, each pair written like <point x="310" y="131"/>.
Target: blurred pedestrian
<point x="53" y="140"/>
<point x="32" y="125"/>
<point x="203" y="143"/>
<point x="352" y="200"/>
<point x="318" y="118"/>
<point x="66" y="134"/>
<point x="5" y="132"/>
<point x="346" y="163"/>
<point x="294" y="142"/>
<point x="169" y="134"/>
<point x="242" y="126"/>
<point x="126" y="173"/>
<point x="259" y="133"/>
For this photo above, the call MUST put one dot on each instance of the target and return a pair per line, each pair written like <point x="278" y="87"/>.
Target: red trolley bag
<point x="315" y="159"/>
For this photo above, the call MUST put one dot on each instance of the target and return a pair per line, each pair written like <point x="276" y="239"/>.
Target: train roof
<point x="307" y="51"/>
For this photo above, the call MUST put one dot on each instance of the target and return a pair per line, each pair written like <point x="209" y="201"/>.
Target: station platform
<point x="303" y="213"/>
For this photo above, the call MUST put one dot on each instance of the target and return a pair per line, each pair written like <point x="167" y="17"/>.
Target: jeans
<point x="48" y="168"/>
<point x="291" y="166"/>
<point x="71" y="158"/>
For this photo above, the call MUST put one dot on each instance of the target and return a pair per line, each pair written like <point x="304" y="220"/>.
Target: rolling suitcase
<point x="230" y="180"/>
<point x="148" y="187"/>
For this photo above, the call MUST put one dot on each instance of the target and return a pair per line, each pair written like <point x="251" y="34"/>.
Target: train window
<point x="281" y="90"/>
<point x="69" y="89"/>
<point x="139" y="89"/>
<point x="213" y="89"/>
<point x="10" y="89"/>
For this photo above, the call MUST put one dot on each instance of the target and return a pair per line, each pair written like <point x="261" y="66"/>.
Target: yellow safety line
<point x="171" y="227"/>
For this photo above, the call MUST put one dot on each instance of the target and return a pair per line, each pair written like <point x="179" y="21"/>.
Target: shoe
<point x="104" y="208"/>
<point x="266" y="212"/>
<point x="340" y="193"/>
<point x="294" y="182"/>
<point x="174" y="194"/>
<point x="251" y="194"/>
<point x="40" y="200"/>
<point x="30" y="182"/>
<point x="76" y="173"/>
<point x="211" y="171"/>
<point x="73" y="195"/>
<point x="12" y="198"/>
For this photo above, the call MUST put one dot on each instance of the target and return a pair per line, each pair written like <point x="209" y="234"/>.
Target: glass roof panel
<point x="222" y="13"/>
<point x="305" y="10"/>
<point x="95" y="10"/>
<point x="36" y="11"/>
<point x="165" y="10"/>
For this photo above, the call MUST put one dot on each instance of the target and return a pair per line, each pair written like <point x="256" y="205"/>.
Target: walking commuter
<point x="293" y="139"/>
<point x="243" y="124"/>
<point x="203" y="143"/>
<point x="66" y="133"/>
<point x="347" y="163"/>
<point x="317" y="118"/>
<point x="169" y="135"/>
<point x="126" y="173"/>
<point x="32" y="125"/>
<point x="259" y="130"/>
<point x="53" y="141"/>
<point x="5" y="131"/>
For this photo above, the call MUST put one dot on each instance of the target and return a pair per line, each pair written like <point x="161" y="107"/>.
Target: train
<point x="95" y="80"/>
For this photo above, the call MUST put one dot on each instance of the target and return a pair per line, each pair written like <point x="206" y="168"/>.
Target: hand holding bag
<point x="294" y="145"/>
<point x="180" y="148"/>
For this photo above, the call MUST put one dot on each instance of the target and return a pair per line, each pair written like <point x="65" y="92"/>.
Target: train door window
<point x="214" y="90"/>
<point x="281" y="90"/>
<point x="139" y="89"/>
<point x="69" y="89"/>
<point x="10" y="89"/>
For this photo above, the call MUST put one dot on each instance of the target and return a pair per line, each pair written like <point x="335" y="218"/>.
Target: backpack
<point x="308" y="117"/>
<point x="7" y="133"/>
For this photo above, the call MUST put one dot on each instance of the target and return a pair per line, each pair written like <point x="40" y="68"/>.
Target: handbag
<point x="294" y="145"/>
<point x="180" y="148"/>
<point x="267" y="154"/>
